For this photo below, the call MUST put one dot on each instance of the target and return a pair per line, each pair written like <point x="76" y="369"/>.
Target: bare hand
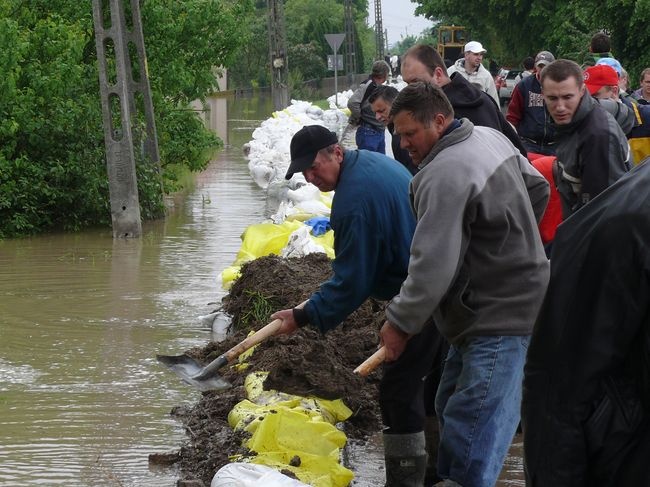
<point x="394" y="340"/>
<point x="289" y="325"/>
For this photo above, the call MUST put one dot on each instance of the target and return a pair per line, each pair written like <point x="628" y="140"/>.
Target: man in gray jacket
<point x="478" y="266"/>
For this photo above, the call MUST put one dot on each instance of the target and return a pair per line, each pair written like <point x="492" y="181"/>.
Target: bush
<point x="52" y="156"/>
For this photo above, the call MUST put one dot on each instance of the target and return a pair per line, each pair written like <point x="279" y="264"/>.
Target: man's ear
<point x="440" y="122"/>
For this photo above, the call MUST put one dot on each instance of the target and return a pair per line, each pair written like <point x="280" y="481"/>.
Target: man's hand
<point x="289" y="325"/>
<point x="394" y="340"/>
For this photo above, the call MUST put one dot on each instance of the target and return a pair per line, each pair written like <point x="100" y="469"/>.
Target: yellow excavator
<point x="451" y="40"/>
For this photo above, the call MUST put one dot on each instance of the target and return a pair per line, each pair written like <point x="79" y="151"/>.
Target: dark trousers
<point x="408" y="386"/>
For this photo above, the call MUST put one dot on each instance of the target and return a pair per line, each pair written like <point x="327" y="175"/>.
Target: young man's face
<point x="416" y="138"/>
<point x="324" y="172"/>
<point x="645" y="86"/>
<point x="473" y="60"/>
<point x="562" y="98"/>
<point x="382" y="110"/>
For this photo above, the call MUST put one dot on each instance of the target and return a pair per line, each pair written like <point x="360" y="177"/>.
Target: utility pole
<point x="278" y="55"/>
<point x="379" y="31"/>
<point x="118" y="90"/>
<point x="350" y="43"/>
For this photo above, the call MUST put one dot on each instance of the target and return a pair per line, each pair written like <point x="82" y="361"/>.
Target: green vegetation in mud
<point x="258" y="310"/>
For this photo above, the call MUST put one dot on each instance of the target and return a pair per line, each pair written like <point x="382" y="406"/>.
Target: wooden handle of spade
<point x="371" y="363"/>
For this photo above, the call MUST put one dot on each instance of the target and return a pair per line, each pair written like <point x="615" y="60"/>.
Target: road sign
<point x="335" y="41"/>
<point x="339" y="62"/>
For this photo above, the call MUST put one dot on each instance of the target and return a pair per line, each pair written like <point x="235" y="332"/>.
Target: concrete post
<point x="119" y="109"/>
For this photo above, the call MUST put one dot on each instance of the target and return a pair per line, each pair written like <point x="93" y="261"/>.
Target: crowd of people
<point x="513" y="254"/>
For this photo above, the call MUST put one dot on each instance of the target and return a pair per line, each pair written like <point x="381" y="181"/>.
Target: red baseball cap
<point x="598" y="76"/>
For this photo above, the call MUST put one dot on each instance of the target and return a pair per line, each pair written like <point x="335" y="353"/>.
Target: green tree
<point x="52" y="163"/>
<point x="306" y="23"/>
<point x="513" y="30"/>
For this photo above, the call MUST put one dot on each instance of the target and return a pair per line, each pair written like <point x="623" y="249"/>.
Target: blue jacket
<point x="373" y="226"/>
<point x="535" y="122"/>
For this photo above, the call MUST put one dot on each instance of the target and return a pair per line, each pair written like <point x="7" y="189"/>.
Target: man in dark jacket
<point x="423" y="63"/>
<point x="586" y="399"/>
<point x="599" y="47"/>
<point x="381" y="101"/>
<point x="592" y="150"/>
<point x="526" y="111"/>
<point x="370" y="132"/>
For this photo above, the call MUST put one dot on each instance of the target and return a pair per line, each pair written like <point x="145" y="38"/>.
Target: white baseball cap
<point x="475" y="47"/>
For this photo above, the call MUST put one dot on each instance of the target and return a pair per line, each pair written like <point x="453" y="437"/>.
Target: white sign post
<point x="335" y="41"/>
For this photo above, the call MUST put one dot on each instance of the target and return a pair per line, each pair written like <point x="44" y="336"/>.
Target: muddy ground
<point x="305" y="363"/>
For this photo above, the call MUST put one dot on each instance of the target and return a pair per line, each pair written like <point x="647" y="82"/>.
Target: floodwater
<point x="83" y="401"/>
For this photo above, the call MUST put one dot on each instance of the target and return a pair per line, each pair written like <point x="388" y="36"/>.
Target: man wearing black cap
<point x="527" y="113"/>
<point x="373" y="227"/>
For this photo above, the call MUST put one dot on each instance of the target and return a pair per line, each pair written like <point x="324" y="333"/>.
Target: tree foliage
<point x="306" y="23"/>
<point x="514" y="30"/>
<point x="52" y="163"/>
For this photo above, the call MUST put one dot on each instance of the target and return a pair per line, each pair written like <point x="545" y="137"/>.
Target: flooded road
<point x="82" y="399"/>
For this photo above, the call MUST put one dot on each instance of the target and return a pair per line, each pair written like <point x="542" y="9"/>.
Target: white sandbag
<point x="250" y="475"/>
<point x="301" y="244"/>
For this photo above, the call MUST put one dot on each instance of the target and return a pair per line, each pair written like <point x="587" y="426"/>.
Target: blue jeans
<point x="478" y="406"/>
<point x="370" y="139"/>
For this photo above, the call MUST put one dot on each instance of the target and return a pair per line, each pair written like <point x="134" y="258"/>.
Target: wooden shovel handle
<point x="258" y="337"/>
<point x="371" y="363"/>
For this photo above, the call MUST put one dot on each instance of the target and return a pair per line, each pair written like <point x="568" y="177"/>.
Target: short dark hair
<point x="562" y="69"/>
<point x="600" y="42"/>
<point x="380" y="69"/>
<point x="385" y="92"/>
<point x="643" y="74"/>
<point x="528" y="63"/>
<point x="428" y="56"/>
<point x="424" y="101"/>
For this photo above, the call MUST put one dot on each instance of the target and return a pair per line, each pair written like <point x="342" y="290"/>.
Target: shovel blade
<point x="187" y="368"/>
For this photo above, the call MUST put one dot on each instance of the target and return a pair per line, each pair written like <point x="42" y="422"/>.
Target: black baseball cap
<point x="305" y="145"/>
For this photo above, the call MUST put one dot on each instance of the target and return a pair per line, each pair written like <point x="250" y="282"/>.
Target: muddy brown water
<point x="82" y="400"/>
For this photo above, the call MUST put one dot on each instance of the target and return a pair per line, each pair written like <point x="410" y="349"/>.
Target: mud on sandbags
<point x="306" y="363"/>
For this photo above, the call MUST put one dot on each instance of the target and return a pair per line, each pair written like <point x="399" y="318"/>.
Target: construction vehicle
<point x="451" y="41"/>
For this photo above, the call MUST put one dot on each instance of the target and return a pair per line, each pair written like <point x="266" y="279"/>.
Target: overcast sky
<point x="399" y="18"/>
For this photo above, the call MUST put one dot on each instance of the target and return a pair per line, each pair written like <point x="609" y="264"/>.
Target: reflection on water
<point x="82" y="399"/>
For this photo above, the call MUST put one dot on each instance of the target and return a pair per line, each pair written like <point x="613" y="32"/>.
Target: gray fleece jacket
<point x="477" y="261"/>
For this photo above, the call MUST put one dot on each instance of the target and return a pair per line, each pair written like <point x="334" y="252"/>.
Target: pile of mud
<point x="305" y="363"/>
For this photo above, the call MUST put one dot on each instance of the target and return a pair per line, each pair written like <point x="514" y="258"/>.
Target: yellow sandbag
<point x="291" y="429"/>
<point x="284" y="435"/>
<point x="285" y="427"/>
<point x="327" y="242"/>
<point x="313" y="470"/>
<point x="333" y="411"/>
<point x="264" y="239"/>
<point x="269" y="238"/>
<point x="228" y="275"/>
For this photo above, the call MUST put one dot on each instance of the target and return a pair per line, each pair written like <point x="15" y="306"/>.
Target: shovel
<point x="206" y="378"/>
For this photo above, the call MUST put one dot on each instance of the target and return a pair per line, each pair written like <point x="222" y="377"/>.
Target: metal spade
<point x="206" y="378"/>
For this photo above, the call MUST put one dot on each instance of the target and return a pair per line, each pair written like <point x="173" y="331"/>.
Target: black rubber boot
<point x="432" y="439"/>
<point x="406" y="460"/>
